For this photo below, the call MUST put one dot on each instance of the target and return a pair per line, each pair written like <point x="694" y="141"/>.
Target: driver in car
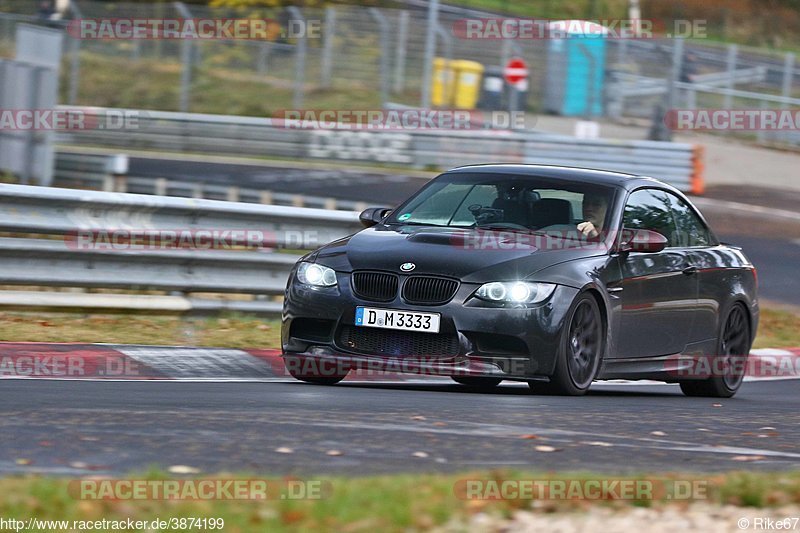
<point x="594" y="213"/>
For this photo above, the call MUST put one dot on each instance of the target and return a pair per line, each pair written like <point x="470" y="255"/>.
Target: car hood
<point x="469" y="255"/>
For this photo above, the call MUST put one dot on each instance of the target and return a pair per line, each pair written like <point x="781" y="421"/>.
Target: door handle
<point x="689" y="270"/>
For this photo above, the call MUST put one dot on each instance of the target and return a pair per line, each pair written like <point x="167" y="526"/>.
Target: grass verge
<point x="150" y="83"/>
<point x="777" y="329"/>
<point x="403" y="502"/>
<point x="234" y="331"/>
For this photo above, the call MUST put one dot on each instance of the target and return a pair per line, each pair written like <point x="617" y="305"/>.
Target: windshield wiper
<point x="500" y="227"/>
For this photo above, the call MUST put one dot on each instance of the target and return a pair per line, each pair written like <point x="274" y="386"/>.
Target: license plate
<point x="395" y="319"/>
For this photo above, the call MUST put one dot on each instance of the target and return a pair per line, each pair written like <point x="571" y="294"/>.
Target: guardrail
<point x="251" y="136"/>
<point x="628" y="85"/>
<point x="79" y="170"/>
<point x="112" y="241"/>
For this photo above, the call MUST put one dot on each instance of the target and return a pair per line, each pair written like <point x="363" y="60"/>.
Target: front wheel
<point x="316" y="372"/>
<point x="580" y="352"/>
<point x="733" y="347"/>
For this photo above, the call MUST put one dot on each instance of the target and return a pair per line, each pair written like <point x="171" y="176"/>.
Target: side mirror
<point x="642" y="240"/>
<point x="373" y="215"/>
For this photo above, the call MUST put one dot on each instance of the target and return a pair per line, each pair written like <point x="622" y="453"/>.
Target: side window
<point x="691" y="230"/>
<point x="650" y="209"/>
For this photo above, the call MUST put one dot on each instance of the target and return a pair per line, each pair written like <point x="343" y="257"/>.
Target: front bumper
<point x="512" y="343"/>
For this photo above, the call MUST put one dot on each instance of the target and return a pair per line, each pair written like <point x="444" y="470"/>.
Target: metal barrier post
<point x="733" y="51"/>
<point x="788" y="75"/>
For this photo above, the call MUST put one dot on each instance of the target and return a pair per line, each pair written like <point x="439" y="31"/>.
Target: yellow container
<point x="466" y="84"/>
<point x="442" y="82"/>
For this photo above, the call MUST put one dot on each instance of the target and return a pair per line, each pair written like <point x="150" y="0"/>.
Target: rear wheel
<point x="733" y="347"/>
<point x="478" y="383"/>
<point x="314" y="371"/>
<point x="581" y="350"/>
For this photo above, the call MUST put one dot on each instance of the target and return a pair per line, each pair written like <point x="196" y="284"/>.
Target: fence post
<point x="788" y="76"/>
<point x="786" y="89"/>
<point x="186" y="61"/>
<point x="616" y="98"/>
<point x="622" y="51"/>
<point x="75" y="59"/>
<point x="383" y="27"/>
<point x="327" y="46"/>
<point x="29" y="146"/>
<point x="505" y="52"/>
<point x="74" y="70"/>
<point x="691" y="98"/>
<point x="263" y="57"/>
<point x="299" y="63"/>
<point x="400" y="53"/>
<point x="659" y="130"/>
<point x="447" y="39"/>
<point x="733" y="51"/>
<point x="186" y="75"/>
<point x="430" y="50"/>
<point x="159" y="7"/>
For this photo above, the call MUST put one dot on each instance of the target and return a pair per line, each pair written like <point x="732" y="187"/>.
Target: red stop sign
<point x="516" y="70"/>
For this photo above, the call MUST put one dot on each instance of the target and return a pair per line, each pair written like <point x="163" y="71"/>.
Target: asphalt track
<point x="82" y="427"/>
<point x="332" y="182"/>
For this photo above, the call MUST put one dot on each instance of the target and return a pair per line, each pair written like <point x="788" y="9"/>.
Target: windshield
<point x="511" y="202"/>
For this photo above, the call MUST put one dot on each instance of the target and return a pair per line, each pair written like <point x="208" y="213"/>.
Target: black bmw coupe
<point x="554" y="276"/>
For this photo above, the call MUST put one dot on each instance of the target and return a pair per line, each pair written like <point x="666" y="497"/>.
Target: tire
<point x="580" y="351"/>
<point x="478" y="383"/>
<point x="733" y="344"/>
<point x="318" y="374"/>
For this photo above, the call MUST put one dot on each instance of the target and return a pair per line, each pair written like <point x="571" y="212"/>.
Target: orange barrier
<point x="698" y="185"/>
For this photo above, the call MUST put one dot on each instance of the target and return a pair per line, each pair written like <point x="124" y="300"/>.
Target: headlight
<point x="316" y="275"/>
<point x="516" y="292"/>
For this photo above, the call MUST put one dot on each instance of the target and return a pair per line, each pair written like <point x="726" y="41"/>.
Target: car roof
<point x="588" y="175"/>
